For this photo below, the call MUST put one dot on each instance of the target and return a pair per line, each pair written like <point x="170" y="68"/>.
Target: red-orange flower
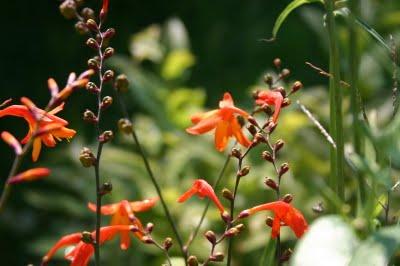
<point x="123" y="214"/>
<point x="81" y="253"/>
<point x="273" y="98"/>
<point x="285" y="214"/>
<point x="46" y="126"/>
<point x="224" y="120"/>
<point x="29" y="175"/>
<point x="104" y="9"/>
<point x="202" y="189"/>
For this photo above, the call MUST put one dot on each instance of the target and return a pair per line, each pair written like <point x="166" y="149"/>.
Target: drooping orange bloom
<point x="273" y="98"/>
<point x="12" y="142"/>
<point x="29" y="175"/>
<point x="43" y="127"/>
<point x="202" y="189"/>
<point x="124" y="214"/>
<point x="223" y="120"/>
<point x="104" y="9"/>
<point x="284" y="214"/>
<point x="81" y="253"/>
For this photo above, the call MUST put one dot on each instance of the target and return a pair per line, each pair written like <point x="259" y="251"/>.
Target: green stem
<point x="335" y="96"/>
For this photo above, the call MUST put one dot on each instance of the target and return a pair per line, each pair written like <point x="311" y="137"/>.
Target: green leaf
<point x="329" y="238"/>
<point x="378" y="248"/>
<point x="268" y="255"/>
<point x="285" y="13"/>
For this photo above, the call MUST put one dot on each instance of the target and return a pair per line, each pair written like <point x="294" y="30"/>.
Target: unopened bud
<point x="87" y="237"/>
<point x="92" y="43"/>
<point x="106" y="102"/>
<point x="147" y="240"/>
<point x="279" y="145"/>
<point x="240" y="227"/>
<point x="269" y="221"/>
<point x="125" y="126"/>
<point x="266" y="155"/>
<point x="277" y="63"/>
<point x="106" y="136"/>
<point x="81" y="28"/>
<point x="271" y="183"/>
<point x="281" y="90"/>
<point x="288" y="198"/>
<point x="218" y="256"/>
<point x="285" y="73"/>
<point x="244" y="171"/>
<point x="92" y="25"/>
<point x="236" y="153"/>
<point x="286" y="255"/>
<point x="89" y="116"/>
<point x="244" y="214"/>
<point x="88" y="13"/>
<point x="252" y="129"/>
<point x="318" y="208"/>
<point x="109" y="33"/>
<point x="108" y="52"/>
<point x="91" y="87"/>
<point x="268" y="79"/>
<point x="68" y="9"/>
<point x="93" y="64"/>
<point x="167" y="244"/>
<point x="255" y="94"/>
<point x="192" y="261"/>
<point x="121" y="83"/>
<point x="283" y="169"/>
<point x="105" y="188"/>
<point x="252" y="121"/>
<point x="286" y="102"/>
<point x="226" y="217"/>
<point x="296" y="86"/>
<point x="258" y="138"/>
<point x="232" y="232"/>
<point x="108" y="75"/>
<point x="149" y="227"/>
<point x="267" y="109"/>
<point x="227" y="194"/>
<point x="210" y="235"/>
<point x="87" y="158"/>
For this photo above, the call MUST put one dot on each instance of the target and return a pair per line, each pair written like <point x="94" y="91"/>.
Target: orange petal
<point x="64" y="132"/>
<point x="29" y="175"/>
<point x="37" y="146"/>
<point x="276" y="227"/>
<point x="57" y="109"/>
<point x="278" y="104"/>
<point x="238" y="133"/>
<point x="196" y="118"/>
<point x="204" y="125"/>
<point x="105" y="209"/>
<point x="226" y="101"/>
<point x="108" y="232"/>
<point x="221" y="135"/>
<point x="81" y="256"/>
<point x="144" y="205"/>
<point x="12" y="141"/>
<point x="206" y="190"/>
<point x="127" y="209"/>
<point x="64" y="241"/>
<point x="86" y="74"/>
<point x="185" y="196"/>
<point x="125" y="240"/>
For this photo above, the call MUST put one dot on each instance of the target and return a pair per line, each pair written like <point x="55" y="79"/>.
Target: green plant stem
<point x="154" y="180"/>
<point x="335" y="96"/>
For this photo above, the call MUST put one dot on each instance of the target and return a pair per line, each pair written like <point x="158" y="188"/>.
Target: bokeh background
<point x="180" y="57"/>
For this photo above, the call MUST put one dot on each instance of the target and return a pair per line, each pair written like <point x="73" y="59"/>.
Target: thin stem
<point x="336" y="120"/>
<point x="164" y="250"/>
<point x="154" y="181"/>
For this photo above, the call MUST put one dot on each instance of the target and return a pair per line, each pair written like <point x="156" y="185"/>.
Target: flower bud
<point x="267" y="109"/>
<point x="121" y="83"/>
<point x="236" y="153"/>
<point x="252" y="129"/>
<point x="89" y="116"/>
<point x="92" y="87"/>
<point x="254" y="94"/>
<point x="244" y="214"/>
<point x="105" y="188"/>
<point x="125" y="126"/>
<point x="288" y="198"/>
<point x="318" y="208"/>
<point x="68" y="9"/>
<point x="88" y="13"/>
<point x="252" y="121"/>
<point x="87" y="237"/>
<point x="232" y="232"/>
<point x="258" y="138"/>
<point x="283" y="169"/>
<point x="279" y="145"/>
<point x="192" y="261"/>
<point x="149" y="227"/>
<point x="227" y="194"/>
<point x="147" y="240"/>
<point x="244" y="171"/>
<point x="108" y="75"/>
<point x="286" y="102"/>
<point x="226" y="217"/>
<point x="87" y="157"/>
<point x="109" y="33"/>
<point x="218" y="256"/>
<point x="81" y="28"/>
<point x="210" y="235"/>
<point x="296" y="86"/>
<point x="277" y="63"/>
<point x="167" y="244"/>
<point x="285" y="73"/>
<point x="92" y="43"/>
<point x="266" y="155"/>
<point x="271" y="183"/>
<point x="269" y="221"/>
<point x="108" y="52"/>
<point x="93" y="64"/>
<point x="92" y="25"/>
<point x="268" y="79"/>
<point x="286" y="255"/>
<point x="240" y="227"/>
<point x="106" y="102"/>
<point x="281" y="90"/>
<point x="106" y="136"/>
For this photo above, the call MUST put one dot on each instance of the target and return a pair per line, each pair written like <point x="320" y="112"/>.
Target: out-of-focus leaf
<point x="378" y="248"/>
<point x="176" y="34"/>
<point x="379" y="208"/>
<point x="177" y="261"/>
<point x="329" y="238"/>
<point x="285" y="13"/>
<point x="176" y="63"/>
<point x="146" y="44"/>
<point x="268" y="255"/>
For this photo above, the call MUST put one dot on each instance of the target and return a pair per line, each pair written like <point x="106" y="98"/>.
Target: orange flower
<point x="104" y="10"/>
<point x="81" y="253"/>
<point x="29" y="175"/>
<point x="202" y="189"/>
<point x="285" y="214"/>
<point x="43" y="127"/>
<point x="123" y="214"/>
<point x="224" y="120"/>
<point x="274" y="98"/>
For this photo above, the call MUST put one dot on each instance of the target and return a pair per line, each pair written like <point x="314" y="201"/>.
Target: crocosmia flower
<point x="202" y="189"/>
<point x="29" y="175"/>
<point x="284" y="214"/>
<point x="82" y="251"/>
<point x="123" y="213"/>
<point x="43" y="127"/>
<point x="273" y="98"/>
<point x="223" y="120"/>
